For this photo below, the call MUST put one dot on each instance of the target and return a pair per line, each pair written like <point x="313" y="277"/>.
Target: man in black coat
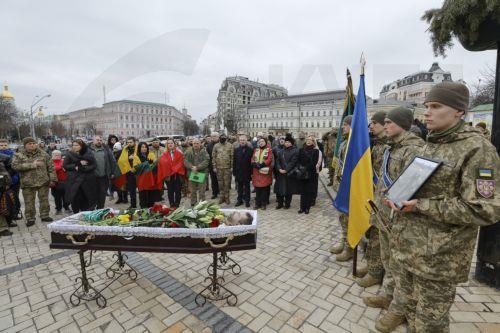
<point x="242" y="170"/>
<point x="213" y="175"/>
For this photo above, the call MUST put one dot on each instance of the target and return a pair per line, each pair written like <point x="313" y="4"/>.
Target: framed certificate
<point x="411" y="180"/>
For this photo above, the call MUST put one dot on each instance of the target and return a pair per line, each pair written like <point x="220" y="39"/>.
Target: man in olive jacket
<point x="37" y="175"/>
<point x="196" y="160"/>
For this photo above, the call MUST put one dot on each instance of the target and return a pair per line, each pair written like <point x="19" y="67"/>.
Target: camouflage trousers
<point x="373" y="258"/>
<point x="197" y="191"/>
<point x="331" y="170"/>
<point x="343" y="219"/>
<point x="29" y="195"/>
<point x="224" y="178"/>
<point x="426" y="303"/>
<point x="385" y="257"/>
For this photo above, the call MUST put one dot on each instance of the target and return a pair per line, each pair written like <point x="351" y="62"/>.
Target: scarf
<point x="434" y="136"/>
<point x="123" y="162"/>
<point x="169" y="167"/>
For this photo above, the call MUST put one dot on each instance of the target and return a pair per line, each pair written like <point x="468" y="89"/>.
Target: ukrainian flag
<point x="356" y="186"/>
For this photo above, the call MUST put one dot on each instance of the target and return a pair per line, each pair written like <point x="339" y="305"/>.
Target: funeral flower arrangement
<point x="203" y="215"/>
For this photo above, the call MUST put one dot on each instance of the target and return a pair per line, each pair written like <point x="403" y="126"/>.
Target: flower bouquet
<point x="203" y="215"/>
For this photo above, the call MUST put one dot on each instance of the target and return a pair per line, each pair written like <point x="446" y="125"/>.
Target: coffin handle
<point x="85" y="242"/>
<point x="219" y="246"/>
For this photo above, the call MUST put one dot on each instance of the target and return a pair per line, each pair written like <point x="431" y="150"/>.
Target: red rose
<point x="174" y="225"/>
<point x="157" y="208"/>
<point x="165" y="211"/>
<point x="215" y="223"/>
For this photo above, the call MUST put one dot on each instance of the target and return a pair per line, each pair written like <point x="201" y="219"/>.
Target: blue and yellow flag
<point x="356" y="186"/>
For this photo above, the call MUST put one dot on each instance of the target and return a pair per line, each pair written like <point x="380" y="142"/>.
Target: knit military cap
<point x="379" y="117"/>
<point x="403" y="117"/>
<point x="28" y="140"/>
<point x="452" y="94"/>
<point x="348" y="120"/>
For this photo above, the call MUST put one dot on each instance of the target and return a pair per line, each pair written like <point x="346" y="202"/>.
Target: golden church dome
<point x="6" y="93"/>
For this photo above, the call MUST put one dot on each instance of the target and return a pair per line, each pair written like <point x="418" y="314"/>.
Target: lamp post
<point x="32" y="120"/>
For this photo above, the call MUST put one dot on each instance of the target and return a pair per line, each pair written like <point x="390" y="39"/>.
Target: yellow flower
<point x="124" y="218"/>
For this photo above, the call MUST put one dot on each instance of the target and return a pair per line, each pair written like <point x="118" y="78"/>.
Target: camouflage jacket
<point x="401" y="151"/>
<point x="339" y="167"/>
<point x="379" y="146"/>
<point x="31" y="176"/>
<point x="436" y="240"/>
<point x="330" y="140"/>
<point x="199" y="159"/>
<point x="222" y="156"/>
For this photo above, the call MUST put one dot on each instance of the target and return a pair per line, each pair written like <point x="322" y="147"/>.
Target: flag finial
<point x="362" y="61"/>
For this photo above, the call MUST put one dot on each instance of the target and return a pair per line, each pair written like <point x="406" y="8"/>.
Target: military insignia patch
<point x="485" y="187"/>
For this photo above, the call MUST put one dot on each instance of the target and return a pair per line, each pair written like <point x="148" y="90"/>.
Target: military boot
<point x="368" y="280"/>
<point x="221" y="200"/>
<point x="336" y="249"/>
<point x="345" y="255"/>
<point x="361" y="271"/>
<point x="389" y="322"/>
<point x="379" y="301"/>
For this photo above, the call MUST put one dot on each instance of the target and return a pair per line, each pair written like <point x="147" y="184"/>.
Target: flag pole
<point x="362" y="62"/>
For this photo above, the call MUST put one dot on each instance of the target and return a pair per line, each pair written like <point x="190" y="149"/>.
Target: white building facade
<point x="128" y="118"/>
<point x="312" y="114"/>
<point x="414" y="88"/>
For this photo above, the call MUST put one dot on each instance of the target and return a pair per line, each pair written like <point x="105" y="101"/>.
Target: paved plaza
<point x="291" y="283"/>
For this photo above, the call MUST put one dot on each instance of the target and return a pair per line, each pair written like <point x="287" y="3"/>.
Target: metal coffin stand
<point x="219" y="248"/>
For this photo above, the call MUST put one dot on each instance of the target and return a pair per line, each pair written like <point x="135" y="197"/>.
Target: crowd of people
<point x="418" y="253"/>
<point x="82" y="177"/>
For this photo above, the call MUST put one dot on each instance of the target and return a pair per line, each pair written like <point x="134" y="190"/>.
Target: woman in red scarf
<point x="262" y="176"/>
<point x="171" y="168"/>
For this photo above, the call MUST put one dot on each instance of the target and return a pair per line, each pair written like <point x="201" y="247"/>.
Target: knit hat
<point x="379" y="117"/>
<point x="117" y="146"/>
<point x="290" y="139"/>
<point x="452" y="94"/>
<point x="348" y="120"/>
<point x="403" y="117"/>
<point x="481" y="124"/>
<point x="28" y="140"/>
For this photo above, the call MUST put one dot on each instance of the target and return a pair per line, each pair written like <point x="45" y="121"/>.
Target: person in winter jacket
<point x="80" y="165"/>
<point x="59" y="189"/>
<point x="262" y="176"/>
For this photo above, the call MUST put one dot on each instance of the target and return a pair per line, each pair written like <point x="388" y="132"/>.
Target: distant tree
<point x="57" y="128"/>
<point x="205" y="130"/>
<point x="191" y="127"/>
<point x="483" y="92"/>
<point x="8" y="115"/>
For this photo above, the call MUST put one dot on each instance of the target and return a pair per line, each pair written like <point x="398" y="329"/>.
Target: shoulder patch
<point x="485" y="173"/>
<point x="485" y="187"/>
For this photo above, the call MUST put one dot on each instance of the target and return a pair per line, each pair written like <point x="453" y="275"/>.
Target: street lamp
<point x="32" y="121"/>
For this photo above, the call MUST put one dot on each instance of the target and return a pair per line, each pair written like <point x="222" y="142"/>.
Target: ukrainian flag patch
<point x="485" y="173"/>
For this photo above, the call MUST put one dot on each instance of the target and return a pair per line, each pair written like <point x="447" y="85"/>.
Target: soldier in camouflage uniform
<point x="375" y="269"/>
<point x="330" y="140"/>
<point x="435" y="233"/>
<point x="196" y="160"/>
<point x="37" y="174"/>
<point x="222" y="159"/>
<point x="343" y="250"/>
<point x="402" y="146"/>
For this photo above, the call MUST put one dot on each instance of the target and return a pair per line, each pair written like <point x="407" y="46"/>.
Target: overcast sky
<point x="139" y="49"/>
